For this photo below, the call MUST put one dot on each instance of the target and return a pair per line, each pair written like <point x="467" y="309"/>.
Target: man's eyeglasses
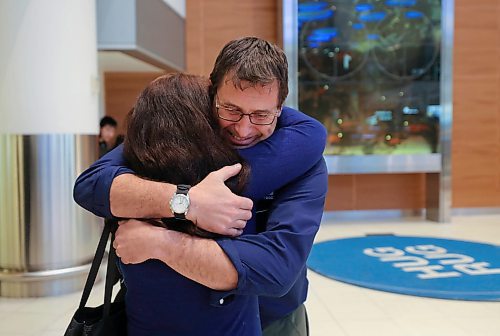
<point x="235" y="115"/>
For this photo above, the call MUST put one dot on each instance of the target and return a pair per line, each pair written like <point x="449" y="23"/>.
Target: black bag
<point x="110" y="318"/>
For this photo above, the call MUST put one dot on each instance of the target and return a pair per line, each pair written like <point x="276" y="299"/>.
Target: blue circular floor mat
<point x="420" y="266"/>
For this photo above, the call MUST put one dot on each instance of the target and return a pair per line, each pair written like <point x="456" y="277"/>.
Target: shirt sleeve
<point x="292" y="150"/>
<point x="92" y="187"/>
<point x="268" y="263"/>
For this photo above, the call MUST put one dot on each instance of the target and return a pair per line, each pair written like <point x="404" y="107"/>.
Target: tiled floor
<point x="334" y="308"/>
<point x="341" y="309"/>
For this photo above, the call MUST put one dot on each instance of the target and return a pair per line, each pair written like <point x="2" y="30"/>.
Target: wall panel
<point x="476" y="111"/>
<point x="211" y="24"/>
<point x="341" y="195"/>
<point x="121" y="89"/>
<point x="376" y="191"/>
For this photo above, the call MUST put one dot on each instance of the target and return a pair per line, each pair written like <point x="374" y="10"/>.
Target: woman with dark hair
<point x="173" y="136"/>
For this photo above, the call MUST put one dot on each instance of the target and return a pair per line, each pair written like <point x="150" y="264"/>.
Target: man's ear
<point x="280" y="109"/>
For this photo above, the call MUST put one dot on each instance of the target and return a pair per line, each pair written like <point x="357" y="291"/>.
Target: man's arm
<point x="269" y="263"/>
<point x="263" y="264"/>
<point x="109" y="189"/>
<point x="92" y="187"/>
<point x="132" y="197"/>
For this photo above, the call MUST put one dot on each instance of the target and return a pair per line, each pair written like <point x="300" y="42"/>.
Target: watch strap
<point x="183" y="189"/>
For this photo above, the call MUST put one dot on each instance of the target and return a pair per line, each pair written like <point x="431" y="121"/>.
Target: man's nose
<point x="243" y="127"/>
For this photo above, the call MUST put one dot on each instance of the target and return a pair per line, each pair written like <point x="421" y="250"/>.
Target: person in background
<point x="107" y="135"/>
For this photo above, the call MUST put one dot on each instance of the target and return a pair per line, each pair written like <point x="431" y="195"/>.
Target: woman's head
<point x="172" y="133"/>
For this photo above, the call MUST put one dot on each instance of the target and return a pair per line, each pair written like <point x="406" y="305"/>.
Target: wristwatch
<point x="179" y="203"/>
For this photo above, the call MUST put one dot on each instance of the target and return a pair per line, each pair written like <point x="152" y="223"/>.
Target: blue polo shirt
<point x="270" y="264"/>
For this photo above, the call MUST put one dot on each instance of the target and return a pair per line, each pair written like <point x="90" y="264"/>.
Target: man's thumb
<point x="229" y="171"/>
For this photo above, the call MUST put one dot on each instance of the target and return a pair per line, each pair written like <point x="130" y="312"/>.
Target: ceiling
<point x="116" y="61"/>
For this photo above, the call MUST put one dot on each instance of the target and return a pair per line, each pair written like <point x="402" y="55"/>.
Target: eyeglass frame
<point x="218" y="106"/>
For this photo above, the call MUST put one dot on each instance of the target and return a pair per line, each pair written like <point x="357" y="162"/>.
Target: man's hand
<point x="215" y="208"/>
<point x="137" y="241"/>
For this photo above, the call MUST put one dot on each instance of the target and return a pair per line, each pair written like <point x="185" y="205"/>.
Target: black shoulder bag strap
<point x="111" y="271"/>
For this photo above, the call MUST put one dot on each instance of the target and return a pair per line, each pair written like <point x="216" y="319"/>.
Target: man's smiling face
<point x="261" y="99"/>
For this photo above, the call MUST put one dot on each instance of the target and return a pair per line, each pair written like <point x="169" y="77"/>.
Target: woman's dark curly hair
<point x="173" y="136"/>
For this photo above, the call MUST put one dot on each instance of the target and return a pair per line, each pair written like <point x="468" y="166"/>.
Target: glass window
<point x="370" y="71"/>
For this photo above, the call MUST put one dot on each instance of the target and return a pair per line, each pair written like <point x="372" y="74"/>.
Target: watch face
<point x="180" y="203"/>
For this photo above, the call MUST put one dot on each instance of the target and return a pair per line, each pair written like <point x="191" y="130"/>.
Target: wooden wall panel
<point x="341" y="195"/>
<point x="120" y="92"/>
<point x="375" y="191"/>
<point x="476" y="110"/>
<point x="390" y="191"/>
<point x="211" y="24"/>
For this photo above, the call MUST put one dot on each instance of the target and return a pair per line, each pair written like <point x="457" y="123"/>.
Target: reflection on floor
<point x="334" y="308"/>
